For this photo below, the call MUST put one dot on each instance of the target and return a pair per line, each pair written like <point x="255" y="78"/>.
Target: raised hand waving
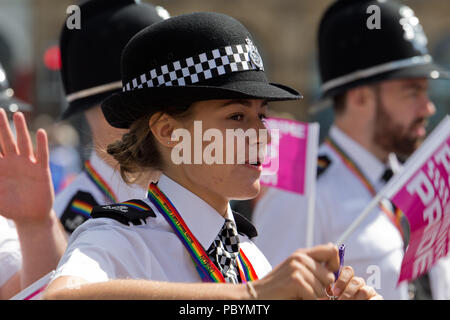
<point x="26" y="189"/>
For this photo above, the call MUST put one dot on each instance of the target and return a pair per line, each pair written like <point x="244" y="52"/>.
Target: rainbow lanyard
<point x="99" y="182"/>
<point x="396" y="217"/>
<point x="205" y="267"/>
<point x="82" y="207"/>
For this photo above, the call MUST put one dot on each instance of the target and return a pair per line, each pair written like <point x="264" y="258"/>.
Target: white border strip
<point x="365" y="73"/>
<point x="311" y="178"/>
<point x="35" y="290"/>
<point x="93" y="91"/>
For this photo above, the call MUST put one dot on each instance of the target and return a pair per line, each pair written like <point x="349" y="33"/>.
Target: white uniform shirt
<point x="103" y="249"/>
<point x="85" y="189"/>
<point x="377" y="229"/>
<point x="10" y="254"/>
<point x="375" y="249"/>
<point x="280" y="218"/>
<point x="439" y="276"/>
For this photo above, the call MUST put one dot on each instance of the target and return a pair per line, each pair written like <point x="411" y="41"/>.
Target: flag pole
<point x="312" y="146"/>
<point x="372" y="205"/>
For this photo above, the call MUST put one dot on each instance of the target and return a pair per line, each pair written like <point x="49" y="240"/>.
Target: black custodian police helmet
<point x="7" y="99"/>
<point x="198" y="56"/>
<point x="90" y="55"/>
<point x="356" y="49"/>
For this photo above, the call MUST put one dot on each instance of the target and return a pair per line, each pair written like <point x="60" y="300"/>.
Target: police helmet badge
<point x="162" y="12"/>
<point x="413" y="29"/>
<point x="255" y="57"/>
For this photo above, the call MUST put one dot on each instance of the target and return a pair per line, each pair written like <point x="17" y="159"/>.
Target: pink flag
<point x="422" y="192"/>
<point x="292" y="156"/>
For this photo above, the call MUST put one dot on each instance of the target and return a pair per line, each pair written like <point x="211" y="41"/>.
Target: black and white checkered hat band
<point x="204" y="66"/>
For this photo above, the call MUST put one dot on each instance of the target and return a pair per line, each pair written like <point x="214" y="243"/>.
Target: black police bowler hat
<point x="353" y="51"/>
<point x="91" y="55"/>
<point x="188" y="58"/>
<point x="7" y="99"/>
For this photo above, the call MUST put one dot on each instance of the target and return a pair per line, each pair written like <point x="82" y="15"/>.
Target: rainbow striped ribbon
<point x="205" y="267"/>
<point x="396" y="217"/>
<point x="99" y="182"/>
<point x="351" y="165"/>
<point x="321" y="163"/>
<point x="135" y="205"/>
<point x="245" y="268"/>
<point x="82" y="208"/>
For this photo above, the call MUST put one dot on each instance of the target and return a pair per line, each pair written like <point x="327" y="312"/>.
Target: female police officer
<point x="193" y="69"/>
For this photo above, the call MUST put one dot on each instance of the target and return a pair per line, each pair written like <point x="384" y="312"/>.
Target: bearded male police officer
<point x="90" y="73"/>
<point x="378" y="79"/>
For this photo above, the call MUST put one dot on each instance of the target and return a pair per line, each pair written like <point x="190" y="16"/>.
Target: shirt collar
<point x="203" y="220"/>
<point x="394" y="163"/>
<point x="370" y="166"/>
<point x="121" y="190"/>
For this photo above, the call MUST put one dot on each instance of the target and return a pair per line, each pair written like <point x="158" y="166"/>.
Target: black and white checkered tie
<point x="224" y="251"/>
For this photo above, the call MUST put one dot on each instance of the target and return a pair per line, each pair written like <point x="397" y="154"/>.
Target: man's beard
<point x="393" y="137"/>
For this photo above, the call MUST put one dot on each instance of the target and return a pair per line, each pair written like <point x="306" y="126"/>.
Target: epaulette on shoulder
<point x="323" y="162"/>
<point x="130" y="212"/>
<point x="78" y="210"/>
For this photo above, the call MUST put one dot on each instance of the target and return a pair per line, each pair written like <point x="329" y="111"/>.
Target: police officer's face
<point x="402" y="110"/>
<point x="223" y="167"/>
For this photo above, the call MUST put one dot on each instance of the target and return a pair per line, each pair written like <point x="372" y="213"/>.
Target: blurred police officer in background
<point x="90" y="73"/>
<point x="377" y="74"/>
